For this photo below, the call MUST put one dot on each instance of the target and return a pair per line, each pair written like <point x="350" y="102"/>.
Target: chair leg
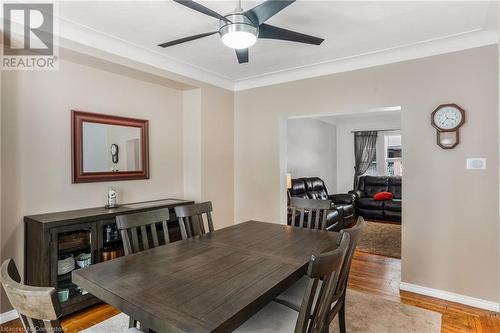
<point x="341" y="315"/>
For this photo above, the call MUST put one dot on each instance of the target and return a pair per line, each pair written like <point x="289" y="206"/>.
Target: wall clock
<point x="447" y="120"/>
<point x="114" y="153"/>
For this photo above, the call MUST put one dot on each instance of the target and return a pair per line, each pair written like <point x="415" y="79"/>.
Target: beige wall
<point x="35" y="142"/>
<point x="192" y="143"/>
<point x="450" y="215"/>
<point x="217" y="157"/>
<point x="209" y="150"/>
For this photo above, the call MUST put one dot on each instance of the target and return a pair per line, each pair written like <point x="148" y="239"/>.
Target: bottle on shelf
<point x="106" y="253"/>
<point x="108" y="233"/>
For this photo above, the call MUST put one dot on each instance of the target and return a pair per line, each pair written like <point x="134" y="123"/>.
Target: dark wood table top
<point x="210" y="283"/>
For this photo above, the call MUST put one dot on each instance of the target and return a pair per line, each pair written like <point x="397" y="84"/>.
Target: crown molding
<point x="75" y="32"/>
<point x="89" y="37"/>
<point x="453" y="43"/>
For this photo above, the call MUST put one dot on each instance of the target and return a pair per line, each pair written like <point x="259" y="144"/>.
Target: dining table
<point x="209" y="283"/>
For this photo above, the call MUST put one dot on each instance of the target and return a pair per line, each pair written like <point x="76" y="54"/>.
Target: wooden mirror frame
<point x="78" y="175"/>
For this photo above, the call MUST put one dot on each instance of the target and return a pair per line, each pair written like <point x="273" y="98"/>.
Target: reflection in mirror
<point x="108" y="147"/>
<point x="111" y="148"/>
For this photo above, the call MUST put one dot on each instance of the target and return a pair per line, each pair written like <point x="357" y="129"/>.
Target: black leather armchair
<point x="343" y="210"/>
<point x="369" y="208"/>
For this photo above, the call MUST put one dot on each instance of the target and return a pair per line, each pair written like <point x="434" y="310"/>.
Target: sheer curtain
<point x="365" y="144"/>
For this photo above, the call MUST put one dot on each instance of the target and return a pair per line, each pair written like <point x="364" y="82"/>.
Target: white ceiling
<point x="350" y="29"/>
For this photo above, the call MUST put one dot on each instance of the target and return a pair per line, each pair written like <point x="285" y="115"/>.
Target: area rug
<point x="381" y="238"/>
<point x="365" y="313"/>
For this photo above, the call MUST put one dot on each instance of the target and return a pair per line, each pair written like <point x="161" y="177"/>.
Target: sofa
<point x="369" y="208"/>
<point x="342" y="213"/>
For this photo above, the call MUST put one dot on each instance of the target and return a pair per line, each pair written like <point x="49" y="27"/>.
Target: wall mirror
<point x="108" y="148"/>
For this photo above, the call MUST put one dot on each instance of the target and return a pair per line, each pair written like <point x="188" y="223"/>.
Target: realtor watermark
<point x="29" y="36"/>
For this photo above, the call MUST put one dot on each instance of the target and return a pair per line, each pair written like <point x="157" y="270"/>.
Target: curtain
<point x="365" y="144"/>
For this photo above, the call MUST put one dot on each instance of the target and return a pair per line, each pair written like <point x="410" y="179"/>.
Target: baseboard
<point x="452" y="297"/>
<point x="8" y="316"/>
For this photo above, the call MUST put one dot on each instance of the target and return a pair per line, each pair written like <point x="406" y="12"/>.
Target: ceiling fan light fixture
<point x="239" y="39"/>
<point x="241" y="34"/>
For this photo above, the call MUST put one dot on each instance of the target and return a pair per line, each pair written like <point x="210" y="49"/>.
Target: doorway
<point x="323" y="146"/>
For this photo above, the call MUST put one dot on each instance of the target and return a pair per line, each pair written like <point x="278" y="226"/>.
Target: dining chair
<point x="292" y="296"/>
<point x="311" y="208"/>
<point x="191" y="219"/>
<point x="312" y="316"/>
<point x="130" y="224"/>
<point x="38" y="307"/>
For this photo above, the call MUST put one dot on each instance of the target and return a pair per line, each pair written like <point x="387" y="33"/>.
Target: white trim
<point x="8" y="316"/>
<point x="96" y="39"/>
<point x="449" y="296"/>
<point x="447" y="44"/>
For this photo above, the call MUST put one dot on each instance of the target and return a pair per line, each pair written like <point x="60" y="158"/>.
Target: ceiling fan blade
<point x="202" y="9"/>
<point x="272" y="32"/>
<point x="242" y="55"/>
<point x="187" y="39"/>
<point x="261" y="13"/>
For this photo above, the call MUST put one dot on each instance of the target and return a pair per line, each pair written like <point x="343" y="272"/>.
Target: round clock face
<point x="448" y="117"/>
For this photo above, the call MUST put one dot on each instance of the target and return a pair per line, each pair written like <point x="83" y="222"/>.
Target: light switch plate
<point x="475" y="163"/>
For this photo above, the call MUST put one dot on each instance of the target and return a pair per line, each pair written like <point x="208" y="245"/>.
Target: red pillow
<point x="380" y="196"/>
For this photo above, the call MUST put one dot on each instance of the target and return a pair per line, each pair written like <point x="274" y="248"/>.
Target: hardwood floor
<point x="380" y="275"/>
<point x="369" y="273"/>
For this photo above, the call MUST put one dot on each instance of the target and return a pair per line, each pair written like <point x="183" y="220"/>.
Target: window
<point x="372" y="169"/>
<point x="393" y="161"/>
<point x="387" y="161"/>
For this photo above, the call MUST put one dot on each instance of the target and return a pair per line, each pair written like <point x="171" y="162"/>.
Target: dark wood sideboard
<point x="57" y="236"/>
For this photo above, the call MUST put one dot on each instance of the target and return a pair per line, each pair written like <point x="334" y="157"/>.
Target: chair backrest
<point x="316" y="188"/>
<point x="38" y="307"/>
<point x="323" y="272"/>
<point x="310" y="207"/>
<point x="373" y="184"/>
<point x="191" y="219"/>
<point x="354" y="234"/>
<point x="395" y="186"/>
<point x="130" y="224"/>
<point x="312" y="188"/>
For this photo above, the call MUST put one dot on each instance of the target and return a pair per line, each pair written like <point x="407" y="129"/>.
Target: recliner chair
<point x="342" y="213"/>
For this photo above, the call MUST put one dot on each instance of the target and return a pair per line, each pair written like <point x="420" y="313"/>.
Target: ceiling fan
<point x="240" y="29"/>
